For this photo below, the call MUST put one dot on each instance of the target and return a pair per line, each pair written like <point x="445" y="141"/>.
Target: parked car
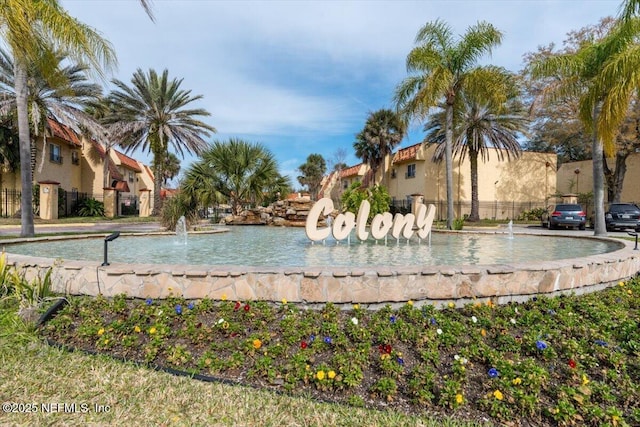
<point x="622" y="215"/>
<point x="565" y="215"/>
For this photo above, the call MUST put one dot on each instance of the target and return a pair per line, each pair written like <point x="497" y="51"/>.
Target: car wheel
<point x="551" y="226"/>
<point x="582" y="227"/>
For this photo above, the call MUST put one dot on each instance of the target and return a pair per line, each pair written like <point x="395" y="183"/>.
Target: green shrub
<point x="377" y="196"/>
<point x="532" y="215"/>
<point x="90" y="208"/>
<point x="458" y="223"/>
<point x="175" y="207"/>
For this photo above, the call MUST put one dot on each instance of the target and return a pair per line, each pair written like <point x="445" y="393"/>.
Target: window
<point x="55" y="154"/>
<point x="393" y="173"/>
<point x="132" y="176"/>
<point x="75" y="158"/>
<point x="345" y="184"/>
<point x="411" y="171"/>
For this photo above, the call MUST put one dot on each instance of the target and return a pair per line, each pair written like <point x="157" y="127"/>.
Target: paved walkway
<point x="96" y="227"/>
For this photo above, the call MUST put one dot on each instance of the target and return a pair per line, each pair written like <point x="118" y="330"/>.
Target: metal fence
<point x="9" y="202"/>
<point x="69" y="201"/>
<point x="500" y="210"/>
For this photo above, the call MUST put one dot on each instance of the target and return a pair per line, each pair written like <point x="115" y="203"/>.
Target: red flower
<point x="572" y="364"/>
<point x="246" y="307"/>
<point x="237" y="307"/>
<point x="385" y="348"/>
<point x="303" y="344"/>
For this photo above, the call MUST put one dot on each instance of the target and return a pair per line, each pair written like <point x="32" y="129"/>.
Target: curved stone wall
<point x="372" y="286"/>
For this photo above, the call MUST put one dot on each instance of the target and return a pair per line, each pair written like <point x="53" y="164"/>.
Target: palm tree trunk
<point x="599" y="226"/>
<point x="157" y="188"/>
<point x="26" y="199"/>
<point x="105" y="167"/>
<point x="473" y="159"/>
<point x="448" y="161"/>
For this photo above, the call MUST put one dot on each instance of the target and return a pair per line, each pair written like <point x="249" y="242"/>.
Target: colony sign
<point x="381" y="224"/>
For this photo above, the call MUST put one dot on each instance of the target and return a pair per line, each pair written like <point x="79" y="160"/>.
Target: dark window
<point x="411" y="171"/>
<point x="55" y="154"/>
<point x="75" y="158"/>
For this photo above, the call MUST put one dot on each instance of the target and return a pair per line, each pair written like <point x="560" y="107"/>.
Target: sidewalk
<point x="96" y="227"/>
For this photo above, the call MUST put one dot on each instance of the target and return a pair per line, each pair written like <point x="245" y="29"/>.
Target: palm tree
<point x="481" y="122"/>
<point x="240" y="171"/>
<point x="151" y="115"/>
<point x="440" y="68"/>
<point x="383" y="131"/>
<point x="57" y="90"/>
<point x="26" y="26"/>
<point x="597" y="73"/>
<point x="170" y="167"/>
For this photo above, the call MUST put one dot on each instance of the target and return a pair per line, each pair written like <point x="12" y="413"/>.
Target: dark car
<point x="622" y="215"/>
<point x="565" y="215"/>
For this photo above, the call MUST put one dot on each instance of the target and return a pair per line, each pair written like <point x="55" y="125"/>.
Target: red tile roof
<point x="408" y="153"/>
<point x="350" y="171"/>
<point x="128" y="161"/>
<point x="113" y="171"/>
<point x="64" y="132"/>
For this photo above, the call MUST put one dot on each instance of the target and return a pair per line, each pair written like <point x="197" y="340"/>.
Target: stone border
<point x="373" y="286"/>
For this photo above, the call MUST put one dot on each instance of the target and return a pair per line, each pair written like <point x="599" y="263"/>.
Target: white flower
<point x="474" y="319"/>
<point x="439" y="331"/>
<point x="516" y="310"/>
<point x="456" y="357"/>
<point x="221" y="321"/>
<point x="354" y="320"/>
<point x="512" y="320"/>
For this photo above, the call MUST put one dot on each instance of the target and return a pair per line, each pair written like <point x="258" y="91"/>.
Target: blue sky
<point x="300" y="77"/>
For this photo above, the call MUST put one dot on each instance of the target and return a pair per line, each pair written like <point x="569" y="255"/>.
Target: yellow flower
<point x="517" y="381"/>
<point x="152" y="330"/>
<point x="257" y="343"/>
<point x="459" y="398"/>
<point x="284" y="301"/>
<point x="585" y="380"/>
<point x="169" y="288"/>
<point x="137" y="328"/>
<point x="106" y="342"/>
<point x="620" y="283"/>
<point x="100" y="331"/>
<point x="490" y="303"/>
<point x="223" y="297"/>
<point x="498" y="395"/>
<point x="483" y="332"/>
<point x="331" y="375"/>
<point x="356" y="306"/>
<point x="410" y="302"/>
<point x="451" y="305"/>
<point x="629" y="291"/>
<point x="320" y="375"/>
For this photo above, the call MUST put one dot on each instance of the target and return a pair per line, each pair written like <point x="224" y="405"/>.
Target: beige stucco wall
<point x="69" y="175"/>
<point x="570" y="182"/>
<point x="92" y="169"/>
<point x="530" y="178"/>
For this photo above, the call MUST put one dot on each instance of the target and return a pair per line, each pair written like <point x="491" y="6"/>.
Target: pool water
<point x="283" y="247"/>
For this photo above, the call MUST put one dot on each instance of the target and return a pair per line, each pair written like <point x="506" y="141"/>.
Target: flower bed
<point x="549" y="361"/>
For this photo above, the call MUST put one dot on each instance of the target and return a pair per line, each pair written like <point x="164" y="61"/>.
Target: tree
<point x="170" y="167"/>
<point x="240" y="171"/>
<point x="26" y="26"/>
<point x="483" y="121"/>
<point x="383" y="131"/>
<point x="152" y="115"/>
<point x="57" y="90"/>
<point x="312" y="172"/>
<point x="440" y="67"/>
<point x="595" y="73"/>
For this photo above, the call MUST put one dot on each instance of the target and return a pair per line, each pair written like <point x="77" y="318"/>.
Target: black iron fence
<point x="500" y="210"/>
<point x="9" y="202"/>
<point x="70" y="201"/>
<point x="129" y="205"/>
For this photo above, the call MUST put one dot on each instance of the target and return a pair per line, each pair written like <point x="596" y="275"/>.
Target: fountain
<point x="181" y="231"/>
<point x="510" y="229"/>
<point x="276" y="263"/>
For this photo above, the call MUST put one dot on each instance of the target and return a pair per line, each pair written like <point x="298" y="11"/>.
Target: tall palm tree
<point x="25" y="26"/>
<point x="152" y="115"/>
<point x="597" y="73"/>
<point x="58" y="90"/>
<point x="240" y="171"/>
<point x="440" y="67"/>
<point x="170" y="167"/>
<point x="383" y="131"/>
<point x="482" y="122"/>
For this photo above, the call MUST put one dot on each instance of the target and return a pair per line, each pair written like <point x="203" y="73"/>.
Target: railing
<point x="497" y="210"/>
<point x="9" y="202"/>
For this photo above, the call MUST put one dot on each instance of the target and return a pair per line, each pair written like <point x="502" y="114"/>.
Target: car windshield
<point x="624" y="208"/>
<point x="568" y="208"/>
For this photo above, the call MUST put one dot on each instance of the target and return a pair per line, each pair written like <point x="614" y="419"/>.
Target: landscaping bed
<point x="549" y="361"/>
